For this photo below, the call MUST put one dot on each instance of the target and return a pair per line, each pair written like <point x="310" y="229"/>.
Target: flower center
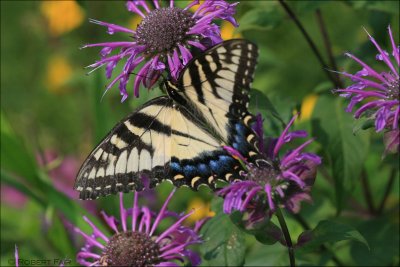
<point x="163" y="29"/>
<point x="393" y="89"/>
<point x="130" y="249"/>
<point x="263" y="175"/>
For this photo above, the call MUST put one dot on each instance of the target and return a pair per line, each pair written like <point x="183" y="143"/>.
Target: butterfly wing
<point x="216" y="84"/>
<point x="160" y="140"/>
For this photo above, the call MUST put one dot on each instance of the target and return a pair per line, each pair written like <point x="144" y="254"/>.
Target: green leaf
<point x="15" y="157"/>
<point x="363" y="124"/>
<point x="383" y="237"/>
<point x="264" y="105"/>
<point x="265" y="231"/>
<point x="31" y="192"/>
<point x="265" y="18"/>
<point x="267" y="255"/>
<point x="332" y="127"/>
<point x="304" y="7"/>
<point x="101" y="111"/>
<point x="329" y="232"/>
<point x="224" y="243"/>
<point x="384" y="6"/>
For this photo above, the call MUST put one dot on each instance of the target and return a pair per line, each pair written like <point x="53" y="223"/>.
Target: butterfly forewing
<point x="218" y="82"/>
<point x="217" y="85"/>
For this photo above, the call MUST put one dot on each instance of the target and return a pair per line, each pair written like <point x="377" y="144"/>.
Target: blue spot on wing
<point x="203" y="169"/>
<point x="225" y="159"/>
<point x="240" y="128"/>
<point x="176" y="167"/>
<point x="189" y="171"/>
<point x="214" y="166"/>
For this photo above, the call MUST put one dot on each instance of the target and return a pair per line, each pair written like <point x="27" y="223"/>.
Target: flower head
<point x="275" y="180"/>
<point x="139" y="244"/>
<point x="378" y="91"/>
<point x="162" y="40"/>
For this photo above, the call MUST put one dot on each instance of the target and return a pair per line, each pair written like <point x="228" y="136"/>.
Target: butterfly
<point x="180" y="136"/>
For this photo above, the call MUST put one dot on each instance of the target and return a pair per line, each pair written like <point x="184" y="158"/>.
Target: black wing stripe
<point x="196" y="81"/>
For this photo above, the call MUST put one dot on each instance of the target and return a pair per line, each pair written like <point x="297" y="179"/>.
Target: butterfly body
<point x="180" y="136"/>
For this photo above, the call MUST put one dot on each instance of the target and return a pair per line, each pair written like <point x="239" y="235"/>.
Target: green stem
<point x="328" y="46"/>
<point x="367" y="192"/>
<point x="286" y="234"/>
<point x="388" y="188"/>
<point x="309" y="41"/>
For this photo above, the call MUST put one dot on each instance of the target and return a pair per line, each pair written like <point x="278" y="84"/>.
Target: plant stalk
<point x="367" y="192"/>
<point x="286" y="234"/>
<point x="309" y="41"/>
<point x="328" y="46"/>
<point x="388" y="188"/>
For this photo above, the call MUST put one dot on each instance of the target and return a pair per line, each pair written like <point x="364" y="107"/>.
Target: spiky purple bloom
<point x="276" y="181"/>
<point x="140" y="244"/>
<point x="378" y="91"/>
<point x="162" y="41"/>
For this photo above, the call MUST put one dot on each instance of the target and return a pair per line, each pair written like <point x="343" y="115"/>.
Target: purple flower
<point x="162" y="40"/>
<point x="16" y="255"/>
<point x="139" y="244"/>
<point x="378" y="92"/>
<point x="391" y="140"/>
<point x="274" y="181"/>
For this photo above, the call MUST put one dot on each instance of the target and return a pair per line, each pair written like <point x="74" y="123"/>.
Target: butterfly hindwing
<point x="159" y="140"/>
<point x="128" y="149"/>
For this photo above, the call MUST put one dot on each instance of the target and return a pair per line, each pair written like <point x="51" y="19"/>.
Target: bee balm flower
<point x="162" y="41"/>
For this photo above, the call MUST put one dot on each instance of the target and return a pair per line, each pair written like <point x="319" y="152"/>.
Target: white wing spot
<point x="247" y="119"/>
<point x="178" y="177"/>
<point x="101" y="172"/>
<point x="194" y="180"/>
<point x="110" y="167"/>
<point x="145" y="160"/>
<point x="133" y="161"/>
<point x="98" y="153"/>
<point x="221" y="50"/>
<point x="121" y="163"/>
<point x="118" y="142"/>
<point x="237" y="52"/>
<point x="228" y="176"/>
<point x="235" y="59"/>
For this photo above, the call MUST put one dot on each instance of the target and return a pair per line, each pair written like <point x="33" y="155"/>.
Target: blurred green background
<point x="53" y="115"/>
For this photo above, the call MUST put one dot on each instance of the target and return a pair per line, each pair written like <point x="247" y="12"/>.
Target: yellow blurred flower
<point x="307" y="107"/>
<point x="228" y="31"/>
<point x="134" y="22"/>
<point x="62" y="16"/>
<point x="59" y="71"/>
<point x="202" y="210"/>
<point x="195" y="7"/>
